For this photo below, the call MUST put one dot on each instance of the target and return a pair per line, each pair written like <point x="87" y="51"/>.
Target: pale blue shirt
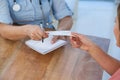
<point x="31" y="12"/>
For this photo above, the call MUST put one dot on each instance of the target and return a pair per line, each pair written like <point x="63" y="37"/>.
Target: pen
<point x="41" y="26"/>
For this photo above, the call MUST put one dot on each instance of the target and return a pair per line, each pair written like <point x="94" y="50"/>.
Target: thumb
<point x="54" y="39"/>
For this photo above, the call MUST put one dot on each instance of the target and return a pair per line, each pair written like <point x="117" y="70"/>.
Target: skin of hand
<point x="80" y="41"/>
<point x="64" y="24"/>
<point x="34" y="32"/>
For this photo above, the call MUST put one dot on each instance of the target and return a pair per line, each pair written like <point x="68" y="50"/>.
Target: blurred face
<point x="117" y="32"/>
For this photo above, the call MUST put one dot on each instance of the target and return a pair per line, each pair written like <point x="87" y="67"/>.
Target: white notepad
<point x="46" y="46"/>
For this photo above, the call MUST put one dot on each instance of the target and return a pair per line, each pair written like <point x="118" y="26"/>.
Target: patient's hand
<point x="82" y="42"/>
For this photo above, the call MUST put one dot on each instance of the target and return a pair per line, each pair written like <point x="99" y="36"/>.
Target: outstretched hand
<point x="80" y="41"/>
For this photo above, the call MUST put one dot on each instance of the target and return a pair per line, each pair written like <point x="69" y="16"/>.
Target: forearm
<point x="65" y="23"/>
<point x="12" y="32"/>
<point x="108" y="63"/>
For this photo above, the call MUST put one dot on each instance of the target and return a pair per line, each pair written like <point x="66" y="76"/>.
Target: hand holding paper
<point x="47" y="46"/>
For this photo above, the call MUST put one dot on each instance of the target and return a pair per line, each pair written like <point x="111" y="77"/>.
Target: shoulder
<point x="4" y="12"/>
<point x="116" y="75"/>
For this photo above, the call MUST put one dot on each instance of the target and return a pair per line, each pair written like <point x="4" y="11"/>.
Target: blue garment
<point x="30" y="12"/>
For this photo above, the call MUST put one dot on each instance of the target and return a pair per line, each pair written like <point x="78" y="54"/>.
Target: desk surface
<point x="18" y="62"/>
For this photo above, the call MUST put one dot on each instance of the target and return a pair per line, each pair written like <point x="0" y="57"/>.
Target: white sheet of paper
<point x="46" y="46"/>
<point x="59" y="33"/>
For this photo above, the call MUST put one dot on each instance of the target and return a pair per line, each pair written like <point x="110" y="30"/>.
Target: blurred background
<point x="97" y="18"/>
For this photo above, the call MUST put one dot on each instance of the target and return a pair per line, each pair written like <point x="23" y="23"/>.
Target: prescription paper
<point x="59" y="33"/>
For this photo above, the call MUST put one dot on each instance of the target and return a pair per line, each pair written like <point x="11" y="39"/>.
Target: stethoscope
<point x="16" y="7"/>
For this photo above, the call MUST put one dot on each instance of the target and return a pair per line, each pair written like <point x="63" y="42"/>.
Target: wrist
<point x="93" y="49"/>
<point x="25" y="30"/>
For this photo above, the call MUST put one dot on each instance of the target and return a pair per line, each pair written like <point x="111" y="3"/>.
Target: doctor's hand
<point x="35" y="32"/>
<point x="55" y="38"/>
<point x="82" y="42"/>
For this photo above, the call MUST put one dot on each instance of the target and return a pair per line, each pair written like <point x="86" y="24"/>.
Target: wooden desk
<point x="18" y="62"/>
